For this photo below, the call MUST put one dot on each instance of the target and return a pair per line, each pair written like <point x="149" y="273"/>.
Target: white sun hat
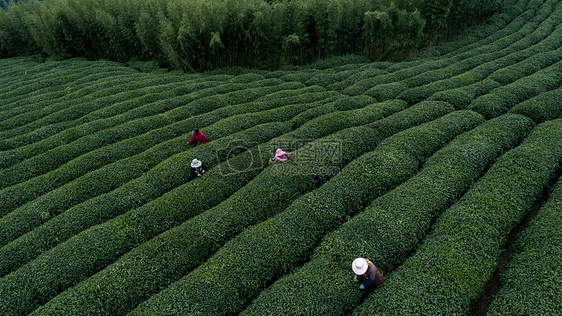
<point x="359" y="266"/>
<point x="195" y="163"/>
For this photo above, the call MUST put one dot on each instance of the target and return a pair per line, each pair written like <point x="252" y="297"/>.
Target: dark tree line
<point x="185" y="34"/>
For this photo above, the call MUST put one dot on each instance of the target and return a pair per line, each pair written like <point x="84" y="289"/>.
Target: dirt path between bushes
<point x="480" y="307"/>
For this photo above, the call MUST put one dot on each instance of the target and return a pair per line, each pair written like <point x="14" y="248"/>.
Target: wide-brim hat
<point x="195" y="163"/>
<point x="359" y="266"/>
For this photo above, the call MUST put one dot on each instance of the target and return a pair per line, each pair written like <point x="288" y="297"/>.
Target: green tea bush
<point x="327" y="79"/>
<point x="493" y="104"/>
<point x="109" y="105"/>
<point x="396" y="75"/>
<point x="56" y="88"/>
<point x="460" y="254"/>
<point x="386" y="91"/>
<point x="276" y="74"/>
<point x="328" y="123"/>
<point x="139" y="107"/>
<point x="544" y="107"/>
<point x="482" y="87"/>
<point x="459" y="98"/>
<point x="338" y="61"/>
<point x="239" y="272"/>
<point x="526" y="67"/>
<point x="386" y="231"/>
<point x="418" y="94"/>
<point x="339" y="104"/>
<point x="171" y="102"/>
<point x="502" y="99"/>
<point x="300" y="76"/>
<point x="199" y="237"/>
<point x="426" y="77"/>
<point x="530" y="282"/>
<point x="247" y="78"/>
<point x="129" y="196"/>
<point x="63" y="269"/>
<point x="122" y="89"/>
<point x="417" y="114"/>
<point x="323" y="80"/>
<point x="39" y="72"/>
<point x="169" y="213"/>
<point x="51" y="159"/>
<point x="295" y="93"/>
<point x="348" y="85"/>
<point x="39" y="210"/>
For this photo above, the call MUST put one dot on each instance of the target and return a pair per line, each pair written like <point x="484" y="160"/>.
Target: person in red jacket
<point x="197" y="138"/>
<point x="366" y="273"/>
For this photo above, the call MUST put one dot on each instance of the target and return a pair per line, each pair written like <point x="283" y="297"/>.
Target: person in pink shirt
<point x="280" y="156"/>
<point x="197" y="138"/>
<point x="366" y="273"/>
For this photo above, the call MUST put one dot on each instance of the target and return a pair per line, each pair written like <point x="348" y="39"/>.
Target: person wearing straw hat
<point x="366" y="273"/>
<point x="197" y="168"/>
<point x="197" y="138"/>
<point x="280" y="156"/>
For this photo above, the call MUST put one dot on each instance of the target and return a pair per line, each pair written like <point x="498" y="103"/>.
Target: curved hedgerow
<point x="130" y="195"/>
<point x="527" y="67"/>
<point x="417" y="114"/>
<point x="77" y="79"/>
<point x="460" y="254"/>
<point x="459" y="97"/>
<point x="482" y="87"/>
<point x="123" y="88"/>
<point x="82" y="255"/>
<point x="169" y="210"/>
<point x="386" y="91"/>
<point x="300" y="76"/>
<point x="83" y="95"/>
<point x="149" y="269"/>
<point x="495" y="29"/>
<point x="375" y="69"/>
<point x="338" y="62"/>
<point x="51" y="159"/>
<point x="326" y="79"/>
<point x="54" y="83"/>
<point x="341" y="104"/>
<point x="241" y="268"/>
<point x="111" y="114"/>
<point x="286" y="93"/>
<point x="419" y="84"/>
<point x="48" y="77"/>
<point x="396" y="74"/>
<point x="386" y="231"/>
<point x="502" y="99"/>
<point x="43" y="208"/>
<point x="419" y="91"/>
<point x="531" y="283"/>
<point x="544" y="107"/>
<point x="109" y="108"/>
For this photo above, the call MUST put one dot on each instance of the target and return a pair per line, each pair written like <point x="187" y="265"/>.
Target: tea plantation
<point x="427" y="167"/>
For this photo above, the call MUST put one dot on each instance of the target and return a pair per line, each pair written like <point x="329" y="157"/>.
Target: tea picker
<point x="366" y="273"/>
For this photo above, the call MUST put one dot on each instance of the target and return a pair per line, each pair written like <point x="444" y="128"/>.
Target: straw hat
<point x="195" y="163"/>
<point x="359" y="266"/>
